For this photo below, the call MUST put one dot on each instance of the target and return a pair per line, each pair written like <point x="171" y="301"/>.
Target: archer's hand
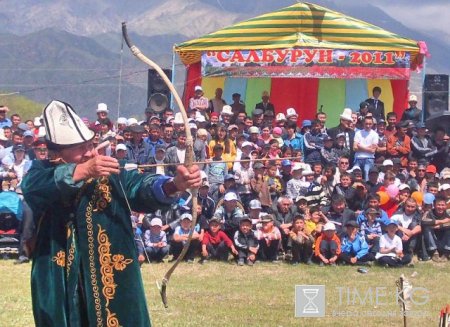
<point x="187" y="178"/>
<point x="95" y="167"/>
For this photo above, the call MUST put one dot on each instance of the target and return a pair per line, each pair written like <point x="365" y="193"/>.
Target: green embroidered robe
<point x="85" y="270"/>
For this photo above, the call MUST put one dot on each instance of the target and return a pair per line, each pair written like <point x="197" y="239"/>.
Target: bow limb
<point x="189" y="156"/>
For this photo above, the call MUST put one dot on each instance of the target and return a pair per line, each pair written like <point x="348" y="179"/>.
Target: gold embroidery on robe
<point x="108" y="263"/>
<point x="99" y="201"/>
<point x="92" y="270"/>
<point x="71" y="239"/>
<point x="103" y="193"/>
<point x="60" y="258"/>
<point x="111" y="319"/>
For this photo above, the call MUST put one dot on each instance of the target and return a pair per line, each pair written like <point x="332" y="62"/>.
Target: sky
<point x="431" y="16"/>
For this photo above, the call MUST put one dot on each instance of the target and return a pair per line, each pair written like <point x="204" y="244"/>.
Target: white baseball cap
<point x="230" y="196"/>
<point x="329" y="226"/>
<point x="253" y="129"/>
<point x="186" y="215"/>
<point x="402" y="187"/>
<point x="121" y="146"/>
<point x="388" y="162"/>
<point x="198" y="88"/>
<point x="255" y="204"/>
<point x="156" y="222"/>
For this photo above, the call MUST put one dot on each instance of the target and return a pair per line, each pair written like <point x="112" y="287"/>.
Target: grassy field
<point x="221" y="294"/>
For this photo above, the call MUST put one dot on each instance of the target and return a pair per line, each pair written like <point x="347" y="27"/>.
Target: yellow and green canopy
<point x="298" y="26"/>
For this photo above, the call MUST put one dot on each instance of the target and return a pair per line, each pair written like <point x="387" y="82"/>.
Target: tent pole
<point x="173" y="76"/>
<point x="423" y="85"/>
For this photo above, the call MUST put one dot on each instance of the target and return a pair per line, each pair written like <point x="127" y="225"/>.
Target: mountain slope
<point x="71" y="49"/>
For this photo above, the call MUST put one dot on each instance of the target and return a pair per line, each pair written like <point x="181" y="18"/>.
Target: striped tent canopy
<point x="300" y="25"/>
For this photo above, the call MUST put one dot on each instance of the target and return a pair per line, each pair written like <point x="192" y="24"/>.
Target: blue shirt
<point x="5" y="123"/>
<point x="357" y="248"/>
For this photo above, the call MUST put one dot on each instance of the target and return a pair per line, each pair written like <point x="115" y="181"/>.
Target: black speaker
<point x="157" y="88"/>
<point x="435" y="94"/>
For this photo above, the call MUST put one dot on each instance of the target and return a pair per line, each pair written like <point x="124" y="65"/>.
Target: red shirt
<point x="208" y="238"/>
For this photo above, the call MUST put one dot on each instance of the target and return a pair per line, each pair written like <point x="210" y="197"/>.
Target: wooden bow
<point x="189" y="157"/>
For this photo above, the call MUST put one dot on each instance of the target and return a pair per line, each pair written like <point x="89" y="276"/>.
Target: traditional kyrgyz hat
<point x="347" y="114"/>
<point x="63" y="126"/>
<point x="102" y="107"/>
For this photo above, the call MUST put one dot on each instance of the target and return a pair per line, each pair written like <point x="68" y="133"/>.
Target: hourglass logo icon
<point x="310" y="300"/>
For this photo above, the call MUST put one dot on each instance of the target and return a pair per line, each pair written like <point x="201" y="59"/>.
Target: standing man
<point x="345" y="128"/>
<point x="412" y="113"/>
<point x="198" y="101"/>
<point x="365" y="145"/>
<point x="265" y="105"/>
<point x="85" y="266"/>
<point x="376" y="106"/>
<point x="216" y="104"/>
<point x="237" y="106"/>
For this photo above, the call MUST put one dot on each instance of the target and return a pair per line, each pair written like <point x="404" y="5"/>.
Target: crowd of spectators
<point x="375" y="188"/>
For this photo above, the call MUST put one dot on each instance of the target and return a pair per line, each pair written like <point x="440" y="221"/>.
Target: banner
<point x="307" y="63"/>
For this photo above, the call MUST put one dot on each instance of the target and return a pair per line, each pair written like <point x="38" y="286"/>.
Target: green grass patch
<point x="221" y="294"/>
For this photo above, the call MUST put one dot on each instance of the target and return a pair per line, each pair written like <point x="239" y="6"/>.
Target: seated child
<point x="391" y="248"/>
<point x="180" y="237"/>
<point x="300" y="241"/>
<point x="314" y="221"/>
<point x="246" y="242"/>
<point x="215" y="243"/>
<point x="155" y="241"/>
<point x="371" y="230"/>
<point x="355" y="250"/>
<point x="328" y="246"/>
<point x="269" y="238"/>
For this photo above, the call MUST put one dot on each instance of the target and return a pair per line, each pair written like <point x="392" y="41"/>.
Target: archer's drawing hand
<point x="187" y="178"/>
<point x="95" y="167"/>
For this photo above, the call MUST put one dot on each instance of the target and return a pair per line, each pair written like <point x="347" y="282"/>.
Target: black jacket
<point x="269" y="107"/>
<point x="376" y="110"/>
<point x="245" y="241"/>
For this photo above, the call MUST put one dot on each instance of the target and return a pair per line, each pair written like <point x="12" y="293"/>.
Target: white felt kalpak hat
<point x="102" y="107"/>
<point x="63" y="126"/>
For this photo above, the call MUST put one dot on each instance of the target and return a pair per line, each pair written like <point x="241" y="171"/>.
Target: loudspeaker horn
<point x="158" y="102"/>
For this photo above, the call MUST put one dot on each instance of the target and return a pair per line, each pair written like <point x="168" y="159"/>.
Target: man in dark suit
<point x="376" y="106"/>
<point x="265" y="105"/>
<point x="344" y="128"/>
